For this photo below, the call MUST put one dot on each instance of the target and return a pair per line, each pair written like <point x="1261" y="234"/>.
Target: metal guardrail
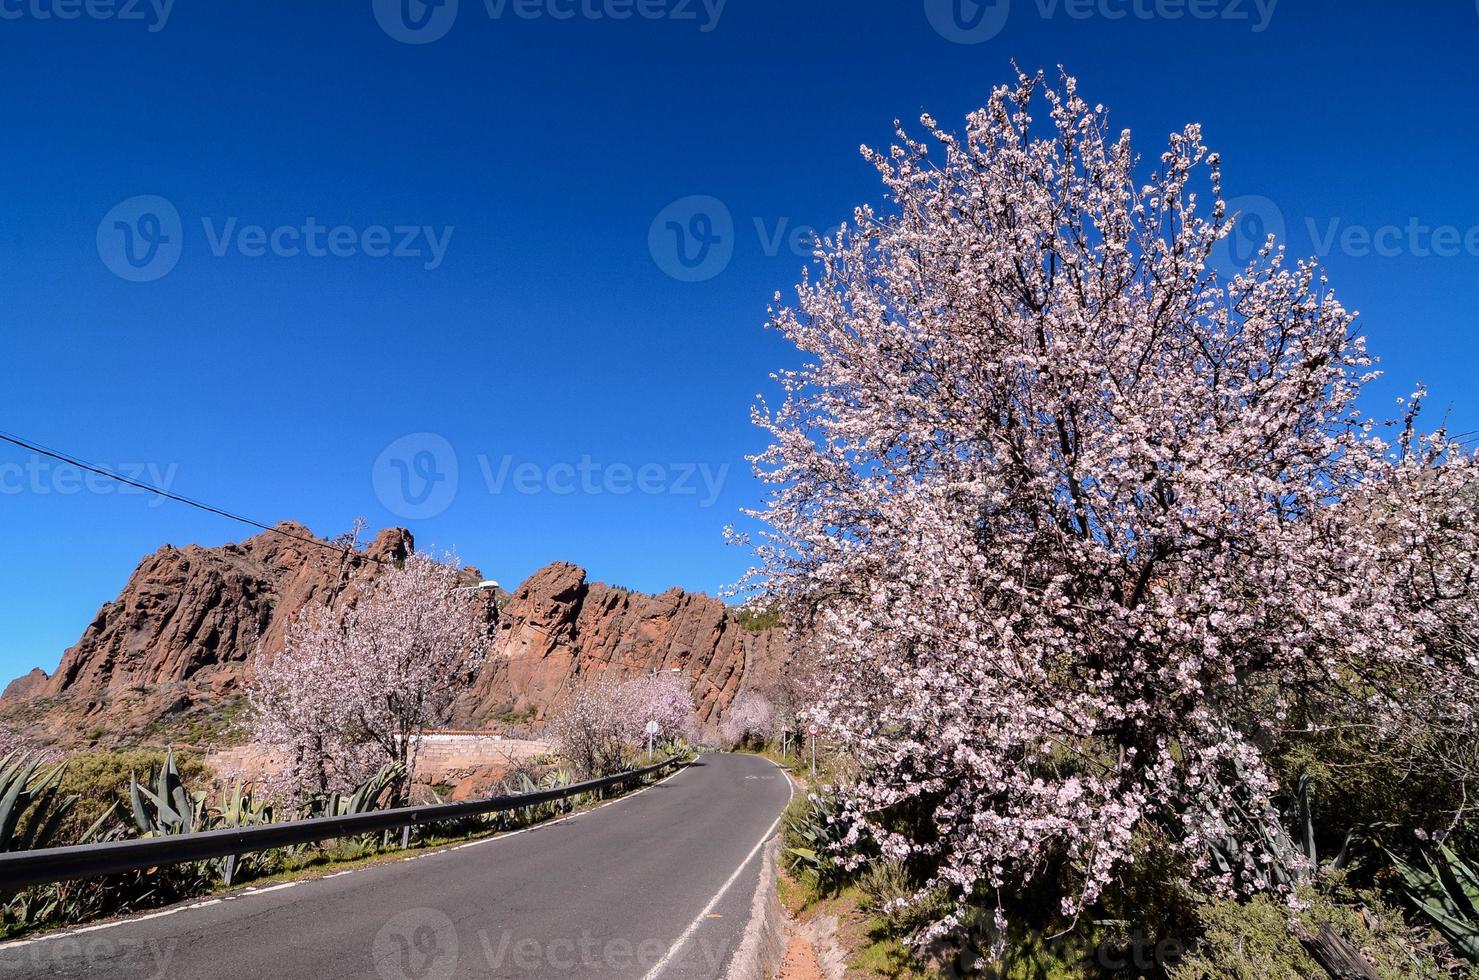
<point x="21" y="868"/>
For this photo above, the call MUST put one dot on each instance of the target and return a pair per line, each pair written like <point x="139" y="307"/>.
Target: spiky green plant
<point x="32" y="809"/>
<point x="240" y="808"/>
<point x="812" y="831"/>
<point x="170" y="808"/>
<point x="1446" y="892"/>
<point x="367" y="796"/>
<point x="1294" y="856"/>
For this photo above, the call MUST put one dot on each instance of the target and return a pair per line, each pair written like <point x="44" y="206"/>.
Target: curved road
<point x="654" y="885"/>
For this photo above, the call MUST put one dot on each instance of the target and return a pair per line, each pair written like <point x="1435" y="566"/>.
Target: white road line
<point x="702" y="916"/>
<point x="253" y="892"/>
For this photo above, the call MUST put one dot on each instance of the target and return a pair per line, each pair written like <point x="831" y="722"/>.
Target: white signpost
<point x="651" y="731"/>
<point x="812" y="730"/>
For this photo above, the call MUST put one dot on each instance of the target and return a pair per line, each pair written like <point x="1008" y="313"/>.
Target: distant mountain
<point x="168" y="659"/>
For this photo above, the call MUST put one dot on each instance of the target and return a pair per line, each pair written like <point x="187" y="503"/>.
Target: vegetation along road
<point x="658" y="885"/>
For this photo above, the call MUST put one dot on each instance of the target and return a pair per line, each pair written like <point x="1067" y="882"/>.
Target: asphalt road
<point x="653" y="885"/>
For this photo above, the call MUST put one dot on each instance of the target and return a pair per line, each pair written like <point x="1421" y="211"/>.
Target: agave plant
<point x="1446" y="892"/>
<point x="812" y="830"/>
<point x="366" y="797"/>
<point x="1294" y="855"/>
<point x="241" y="809"/>
<point x="169" y="809"/>
<point x="32" y="811"/>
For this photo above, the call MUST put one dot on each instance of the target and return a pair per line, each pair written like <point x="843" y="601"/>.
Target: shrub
<point x="100" y="780"/>
<point x="1252" y="940"/>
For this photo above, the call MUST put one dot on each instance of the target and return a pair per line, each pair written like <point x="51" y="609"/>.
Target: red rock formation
<point x="26" y="686"/>
<point x="557" y="629"/>
<point x="179" y="643"/>
<point x="191" y="612"/>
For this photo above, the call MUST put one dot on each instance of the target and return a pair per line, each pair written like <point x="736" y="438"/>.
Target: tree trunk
<point x="1341" y="959"/>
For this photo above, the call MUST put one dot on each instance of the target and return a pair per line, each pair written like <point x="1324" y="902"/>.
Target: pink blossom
<point x="354" y="685"/>
<point x="1072" y="517"/>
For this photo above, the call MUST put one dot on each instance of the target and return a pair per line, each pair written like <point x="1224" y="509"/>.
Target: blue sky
<point x="471" y="242"/>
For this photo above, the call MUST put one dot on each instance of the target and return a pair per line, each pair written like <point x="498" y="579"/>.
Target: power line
<point x="103" y="471"/>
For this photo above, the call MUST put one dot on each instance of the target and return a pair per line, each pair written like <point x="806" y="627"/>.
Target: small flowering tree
<point x="592" y="728"/>
<point x="750" y="718"/>
<point x="299" y="710"/>
<point x="598" y="726"/>
<point x="1077" y="523"/>
<point x="665" y="699"/>
<point x="354" y="690"/>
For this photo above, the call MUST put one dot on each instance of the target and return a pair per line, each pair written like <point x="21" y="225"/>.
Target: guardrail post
<point x="406" y="837"/>
<point x="230" y="869"/>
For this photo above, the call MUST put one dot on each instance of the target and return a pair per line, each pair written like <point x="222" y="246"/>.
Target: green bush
<point x="100" y="780"/>
<point x="891" y="894"/>
<point x="755" y="621"/>
<point x="1252" y="940"/>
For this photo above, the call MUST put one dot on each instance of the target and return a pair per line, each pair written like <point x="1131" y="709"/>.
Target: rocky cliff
<point x="169" y="657"/>
<point x="558" y="629"/>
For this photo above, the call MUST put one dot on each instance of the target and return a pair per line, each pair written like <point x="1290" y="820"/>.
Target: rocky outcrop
<point x="171" y="653"/>
<point x="170" y="656"/>
<point x="558" y="629"/>
<point x="207" y="612"/>
<point x="27" y="686"/>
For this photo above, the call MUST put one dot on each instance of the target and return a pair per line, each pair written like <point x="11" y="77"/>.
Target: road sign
<point x="652" y="728"/>
<point x="813" y="728"/>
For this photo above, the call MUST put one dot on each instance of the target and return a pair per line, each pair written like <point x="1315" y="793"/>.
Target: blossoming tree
<point x="664" y="698"/>
<point x="592" y="729"/>
<point x="598" y="725"/>
<point x="353" y="689"/>
<point x="752" y="716"/>
<point x="1075" y="519"/>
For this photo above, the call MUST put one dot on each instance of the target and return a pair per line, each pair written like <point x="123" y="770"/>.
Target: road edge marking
<point x="687" y="934"/>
